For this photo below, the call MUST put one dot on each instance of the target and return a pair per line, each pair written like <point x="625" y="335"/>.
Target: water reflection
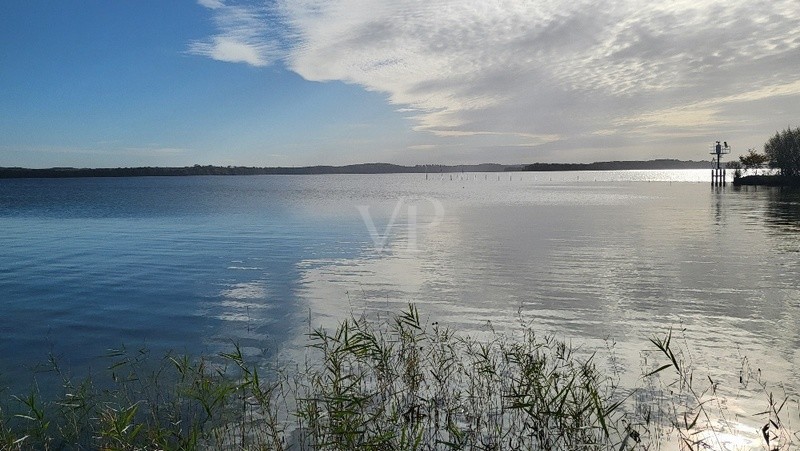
<point x="783" y="211"/>
<point x="588" y="260"/>
<point x="596" y="262"/>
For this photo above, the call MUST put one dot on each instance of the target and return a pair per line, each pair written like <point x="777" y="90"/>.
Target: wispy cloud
<point x="553" y="73"/>
<point x="708" y="112"/>
<point x="212" y="4"/>
<point x="244" y="35"/>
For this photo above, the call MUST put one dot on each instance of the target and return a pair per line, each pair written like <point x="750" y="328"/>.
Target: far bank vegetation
<point x="781" y="155"/>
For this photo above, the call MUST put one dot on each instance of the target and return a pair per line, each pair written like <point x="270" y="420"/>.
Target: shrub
<point x="783" y="151"/>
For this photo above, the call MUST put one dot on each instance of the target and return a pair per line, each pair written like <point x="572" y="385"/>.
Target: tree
<point x="737" y="168"/>
<point x="753" y="160"/>
<point x="783" y="151"/>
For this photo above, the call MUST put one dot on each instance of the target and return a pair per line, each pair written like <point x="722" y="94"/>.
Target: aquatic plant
<point x="695" y="411"/>
<point x="397" y="384"/>
<point x="410" y="387"/>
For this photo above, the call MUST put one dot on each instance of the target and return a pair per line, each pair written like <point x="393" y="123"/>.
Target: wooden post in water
<point x="718" y="177"/>
<point x="717" y="171"/>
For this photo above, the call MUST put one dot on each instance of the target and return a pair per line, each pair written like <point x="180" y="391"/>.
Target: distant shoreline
<point x="366" y="168"/>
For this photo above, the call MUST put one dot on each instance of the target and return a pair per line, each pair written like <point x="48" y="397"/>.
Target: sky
<point x="100" y="83"/>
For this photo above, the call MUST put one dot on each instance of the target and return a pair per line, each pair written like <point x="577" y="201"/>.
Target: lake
<point x="604" y="259"/>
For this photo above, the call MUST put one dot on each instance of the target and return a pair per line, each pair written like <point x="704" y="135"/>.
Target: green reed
<point x="693" y="409"/>
<point x="405" y="386"/>
<point x="398" y="384"/>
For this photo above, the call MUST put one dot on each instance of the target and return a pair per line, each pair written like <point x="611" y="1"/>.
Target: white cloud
<point x="231" y="50"/>
<point x="244" y="35"/>
<point x="548" y="73"/>
<point x="707" y="111"/>
<point x="554" y="68"/>
<point x="212" y="4"/>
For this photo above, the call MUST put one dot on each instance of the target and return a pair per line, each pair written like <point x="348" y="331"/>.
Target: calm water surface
<point x="193" y="264"/>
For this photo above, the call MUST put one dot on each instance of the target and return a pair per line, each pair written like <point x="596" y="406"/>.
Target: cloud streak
<point x="243" y="35"/>
<point x="550" y="74"/>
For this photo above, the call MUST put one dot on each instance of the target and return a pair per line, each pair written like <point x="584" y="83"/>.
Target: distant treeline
<point x="618" y="165"/>
<point x="366" y="168"/>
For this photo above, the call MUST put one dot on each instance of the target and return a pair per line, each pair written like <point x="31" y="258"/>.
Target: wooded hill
<point x="365" y="168"/>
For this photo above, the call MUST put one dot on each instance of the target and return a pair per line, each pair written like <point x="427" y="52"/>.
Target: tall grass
<point x="405" y="386"/>
<point x="400" y="384"/>
<point x="695" y="411"/>
<point x="172" y="403"/>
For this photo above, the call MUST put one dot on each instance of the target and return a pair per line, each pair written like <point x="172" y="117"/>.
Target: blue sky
<point x="298" y="82"/>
